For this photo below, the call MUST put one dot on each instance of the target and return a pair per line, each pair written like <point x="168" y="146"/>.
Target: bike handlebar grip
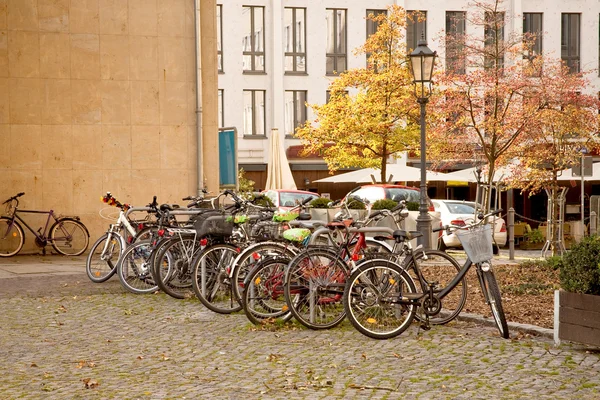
<point x="20" y="194"/>
<point x="188" y="198"/>
<point x="306" y="201"/>
<point x="375" y="214"/>
<point x="400" y="206"/>
<point x="441" y="228"/>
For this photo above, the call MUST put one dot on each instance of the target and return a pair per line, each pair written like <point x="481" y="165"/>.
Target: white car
<point x="458" y="212"/>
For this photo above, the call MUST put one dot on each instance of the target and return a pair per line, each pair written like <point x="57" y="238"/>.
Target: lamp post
<point x="422" y="61"/>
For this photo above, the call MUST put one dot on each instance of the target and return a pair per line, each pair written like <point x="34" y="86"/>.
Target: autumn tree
<point x="371" y="113"/>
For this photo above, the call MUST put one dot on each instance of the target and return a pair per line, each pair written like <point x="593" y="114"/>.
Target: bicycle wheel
<point x="175" y="279"/>
<point x="69" y="237"/>
<point x="491" y="292"/>
<point x="375" y="299"/>
<point x="101" y="262"/>
<point x="439" y="269"/>
<point x="263" y="297"/>
<point x="314" y="287"/>
<point x="133" y="268"/>
<point x="251" y="256"/>
<point x="12" y="237"/>
<point x="210" y="278"/>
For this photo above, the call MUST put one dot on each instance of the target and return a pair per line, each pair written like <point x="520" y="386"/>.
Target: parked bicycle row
<point x="240" y="255"/>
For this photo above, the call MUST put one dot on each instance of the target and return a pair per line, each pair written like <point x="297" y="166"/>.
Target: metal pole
<point x="593" y="223"/>
<point x="582" y="193"/>
<point x="511" y="233"/>
<point x="423" y="220"/>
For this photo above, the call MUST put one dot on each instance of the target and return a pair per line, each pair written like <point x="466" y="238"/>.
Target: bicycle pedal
<point x="425" y="327"/>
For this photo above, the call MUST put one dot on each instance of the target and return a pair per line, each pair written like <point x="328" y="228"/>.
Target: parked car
<point x="459" y="212"/>
<point x="285" y="199"/>
<point x="375" y="192"/>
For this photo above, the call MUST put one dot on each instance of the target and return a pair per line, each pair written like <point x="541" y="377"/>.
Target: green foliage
<point x="246" y="186"/>
<point x="262" y="200"/>
<point x="412" y="206"/>
<point x="384" y="204"/>
<point x="534" y="236"/>
<point x="580" y="267"/>
<point x="320" y="202"/>
<point x="356" y="204"/>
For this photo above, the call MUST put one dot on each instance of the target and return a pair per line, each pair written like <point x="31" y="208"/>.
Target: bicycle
<point x="67" y="235"/>
<point x="381" y="298"/>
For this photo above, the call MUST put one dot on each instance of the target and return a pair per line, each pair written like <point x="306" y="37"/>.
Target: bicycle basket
<point x="477" y="243"/>
<point x="216" y="225"/>
<point x="266" y="230"/>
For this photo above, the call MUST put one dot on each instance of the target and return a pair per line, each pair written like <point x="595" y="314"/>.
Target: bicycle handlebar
<point x="480" y="217"/>
<point x="15" y="197"/>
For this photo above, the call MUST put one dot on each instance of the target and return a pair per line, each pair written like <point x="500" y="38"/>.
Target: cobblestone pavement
<point x="76" y="340"/>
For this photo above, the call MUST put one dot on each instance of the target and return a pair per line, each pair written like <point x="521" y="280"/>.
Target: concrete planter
<point x="319" y="214"/>
<point x="576" y="318"/>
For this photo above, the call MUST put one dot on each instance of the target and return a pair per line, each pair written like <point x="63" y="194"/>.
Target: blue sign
<point x="228" y="165"/>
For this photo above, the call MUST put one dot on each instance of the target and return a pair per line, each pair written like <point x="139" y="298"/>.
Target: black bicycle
<point x="67" y="235"/>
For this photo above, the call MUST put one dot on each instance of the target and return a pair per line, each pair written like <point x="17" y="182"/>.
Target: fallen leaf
<point x="33" y="365"/>
<point x="140" y="357"/>
<point x="90" y="383"/>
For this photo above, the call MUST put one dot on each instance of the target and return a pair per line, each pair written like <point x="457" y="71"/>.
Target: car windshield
<point x="287" y="199"/>
<point x="398" y="194"/>
<point x="461" y="208"/>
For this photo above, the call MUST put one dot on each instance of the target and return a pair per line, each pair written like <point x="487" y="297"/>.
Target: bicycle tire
<point x="210" y="278"/>
<point x="251" y="256"/>
<point x="11" y="242"/>
<point x="439" y="267"/>
<point x="105" y="267"/>
<point x="69" y="237"/>
<point x="133" y="268"/>
<point x="263" y="298"/>
<point x="489" y="286"/>
<point x="176" y="281"/>
<point x="373" y="299"/>
<point x="314" y="287"/>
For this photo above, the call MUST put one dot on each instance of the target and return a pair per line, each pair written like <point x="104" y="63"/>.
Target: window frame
<point x="254" y="108"/>
<point x="565" y="31"/>
<point x="253" y="53"/>
<point x="295" y="54"/>
<point x="335" y="56"/>
<point x="453" y="30"/>
<point x="412" y="29"/>
<point x="220" y="59"/>
<point x="295" y="105"/>
<point x="374" y="26"/>
<point x="221" y="107"/>
<point x="488" y="31"/>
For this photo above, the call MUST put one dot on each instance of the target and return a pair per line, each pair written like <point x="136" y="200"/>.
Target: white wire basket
<point x="477" y="243"/>
<point x="110" y="213"/>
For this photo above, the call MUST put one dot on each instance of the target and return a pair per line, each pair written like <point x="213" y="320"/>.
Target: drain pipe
<point x="200" y="170"/>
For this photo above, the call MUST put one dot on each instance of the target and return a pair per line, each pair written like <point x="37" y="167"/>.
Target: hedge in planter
<point x="384" y="204"/>
<point x="580" y="267"/>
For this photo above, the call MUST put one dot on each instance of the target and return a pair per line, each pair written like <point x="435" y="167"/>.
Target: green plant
<point x="534" y="236"/>
<point x="580" y="267"/>
<point x="262" y="200"/>
<point x="245" y="185"/>
<point x="384" y="204"/>
<point x="320" y="202"/>
<point x="356" y="204"/>
<point x="412" y="206"/>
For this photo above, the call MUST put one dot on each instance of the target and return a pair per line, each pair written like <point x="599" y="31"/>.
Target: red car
<point x="285" y="199"/>
<point x="372" y="193"/>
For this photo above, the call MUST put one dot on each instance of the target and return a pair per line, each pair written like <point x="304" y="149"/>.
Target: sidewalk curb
<point x="512" y="326"/>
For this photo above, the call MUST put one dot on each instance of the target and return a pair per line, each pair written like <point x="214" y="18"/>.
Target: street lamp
<point x="422" y="60"/>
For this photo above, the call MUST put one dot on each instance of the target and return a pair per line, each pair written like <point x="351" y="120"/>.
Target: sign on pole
<point x="587" y="167"/>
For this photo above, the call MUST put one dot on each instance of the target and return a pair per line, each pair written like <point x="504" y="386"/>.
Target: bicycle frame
<point x="42" y="235"/>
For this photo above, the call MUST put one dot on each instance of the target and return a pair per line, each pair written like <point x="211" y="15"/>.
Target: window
<point x="254" y="39"/>
<point x="569" y="41"/>
<point x="221" y="108"/>
<point x="416" y="27"/>
<point x="254" y="113"/>
<point x="494" y="40"/>
<point x="328" y="95"/>
<point x="336" y="40"/>
<point x="372" y="26"/>
<point x="295" y="110"/>
<point x="532" y="26"/>
<point x="295" y="39"/>
<point x="455" y="41"/>
<point x="220" y="37"/>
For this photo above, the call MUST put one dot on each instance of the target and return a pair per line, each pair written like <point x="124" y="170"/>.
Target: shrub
<point x="320" y="202"/>
<point x="580" y="267"/>
<point x="261" y="200"/>
<point x="534" y="236"/>
<point x="384" y="204"/>
<point x="356" y="204"/>
<point x="412" y="206"/>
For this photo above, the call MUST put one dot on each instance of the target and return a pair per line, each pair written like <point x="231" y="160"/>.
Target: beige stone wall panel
<point x="23" y="15"/>
<point x="114" y="57"/>
<point x="26" y="100"/>
<point x="145" y="103"/>
<point x="171" y="58"/>
<point x="145" y="183"/>
<point x="23" y="54"/>
<point x="143" y="58"/>
<point x="113" y="17"/>
<point x="26" y="147"/>
<point x="143" y="17"/>
<point x="173" y="147"/>
<point x="87" y="147"/>
<point x="54" y="15"/>
<point x="191" y="105"/>
<point x="4" y="101"/>
<point x="87" y="190"/>
<point x="57" y="101"/>
<point x="3" y="53"/>
<point x="174" y="185"/>
<point x="192" y="150"/>
<point x="55" y="55"/>
<point x="171" y="18"/>
<point x="190" y="59"/>
<point x="85" y="56"/>
<point x="145" y="147"/>
<point x="173" y="103"/>
<point x="86" y="102"/>
<point x="119" y="184"/>
<point x="116" y="148"/>
<point x="190" y="23"/>
<point x="57" y="147"/>
<point x="3" y="11"/>
<point x="5" y="155"/>
<point x="30" y="182"/>
<point x="57" y="192"/>
<point x="116" y="102"/>
<point x="84" y="16"/>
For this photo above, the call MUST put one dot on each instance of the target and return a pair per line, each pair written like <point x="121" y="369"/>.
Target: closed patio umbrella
<point x="279" y="174"/>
